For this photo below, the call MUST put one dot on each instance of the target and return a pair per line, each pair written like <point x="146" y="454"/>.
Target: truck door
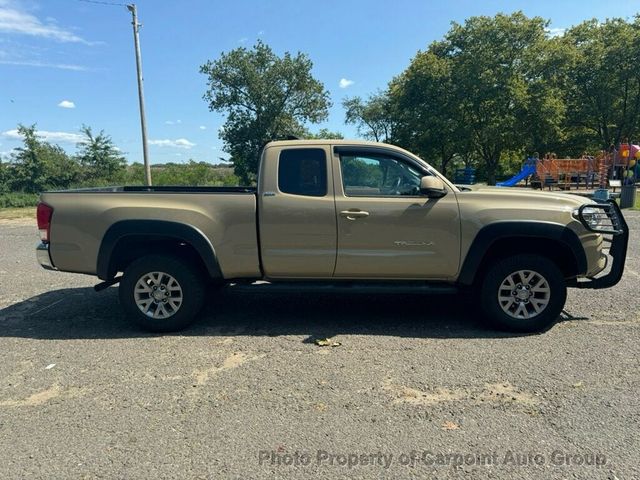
<point x="296" y="212"/>
<point x="386" y="228"/>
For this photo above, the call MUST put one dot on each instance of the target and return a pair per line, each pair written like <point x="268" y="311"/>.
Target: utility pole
<point x="143" y="121"/>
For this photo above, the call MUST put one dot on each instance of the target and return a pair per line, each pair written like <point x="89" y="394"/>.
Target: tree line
<point x="39" y="165"/>
<point x="492" y="91"/>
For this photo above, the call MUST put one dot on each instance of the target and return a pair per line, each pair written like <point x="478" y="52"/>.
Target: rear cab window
<point x="303" y="171"/>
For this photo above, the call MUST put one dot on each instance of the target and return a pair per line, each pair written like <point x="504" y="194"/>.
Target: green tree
<point x="4" y="176"/>
<point x="191" y="173"/>
<point x="428" y="116"/>
<point x="356" y="171"/>
<point x="372" y="117"/>
<point x="100" y="158"/>
<point x="38" y="165"/>
<point x="603" y="81"/>
<point x="500" y="84"/>
<point x="323" y="134"/>
<point x="265" y="97"/>
<point x="134" y="174"/>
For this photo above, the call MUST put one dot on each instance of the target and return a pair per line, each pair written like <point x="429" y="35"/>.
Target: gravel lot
<point x="416" y="387"/>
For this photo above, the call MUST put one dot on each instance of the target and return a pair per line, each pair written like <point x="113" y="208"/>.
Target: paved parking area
<point x="417" y="388"/>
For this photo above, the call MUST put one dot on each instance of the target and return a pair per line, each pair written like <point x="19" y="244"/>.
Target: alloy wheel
<point x="158" y="295"/>
<point x="524" y="294"/>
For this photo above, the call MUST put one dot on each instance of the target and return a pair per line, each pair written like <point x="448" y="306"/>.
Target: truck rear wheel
<point x="523" y="293"/>
<point x="162" y="293"/>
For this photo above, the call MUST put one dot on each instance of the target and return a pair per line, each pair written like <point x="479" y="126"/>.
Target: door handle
<point x="354" y="214"/>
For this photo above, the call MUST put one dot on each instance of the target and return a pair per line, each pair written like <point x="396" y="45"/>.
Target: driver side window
<point x="378" y="176"/>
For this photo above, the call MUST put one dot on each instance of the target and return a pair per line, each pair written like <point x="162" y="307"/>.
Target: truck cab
<point x="354" y="211"/>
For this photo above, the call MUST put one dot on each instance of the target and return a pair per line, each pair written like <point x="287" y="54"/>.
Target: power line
<point x="98" y="2"/>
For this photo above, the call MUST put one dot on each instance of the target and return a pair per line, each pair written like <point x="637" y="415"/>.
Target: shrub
<point x="18" y="199"/>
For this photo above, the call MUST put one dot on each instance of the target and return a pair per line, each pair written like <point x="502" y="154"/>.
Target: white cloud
<point x="260" y="33"/>
<point x="6" y="154"/>
<point x="61" y="66"/>
<point x="62" y="137"/>
<point x="178" y="143"/>
<point x="202" y="127"/>
<point x="14" y="20"/>
<point x="344" y="83"/>
<point x="243" y="40"/>
<point x="173" y="122"/>
<point x="555" y="32"/>
<point x="67" y="104"/>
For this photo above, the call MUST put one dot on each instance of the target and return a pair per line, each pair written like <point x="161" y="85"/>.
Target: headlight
<point x="601" y="218"/>
<point x="592" y="216"/>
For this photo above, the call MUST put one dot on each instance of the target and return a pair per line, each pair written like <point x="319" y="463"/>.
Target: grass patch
<point x="26" y="213"/>
<point x="18" y="199"/>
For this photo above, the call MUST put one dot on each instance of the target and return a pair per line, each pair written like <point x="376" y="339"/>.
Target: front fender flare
<point x="493" y="232"/>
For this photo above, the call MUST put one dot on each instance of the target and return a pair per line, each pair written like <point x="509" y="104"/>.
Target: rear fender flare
<point x="155" y="228"/>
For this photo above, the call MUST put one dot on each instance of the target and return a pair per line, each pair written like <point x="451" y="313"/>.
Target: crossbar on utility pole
<point x="143" y="121"/>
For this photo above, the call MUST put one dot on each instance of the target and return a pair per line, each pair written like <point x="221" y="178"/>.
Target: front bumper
<point x="44" y="259"/>
<point x="617" y="235"/>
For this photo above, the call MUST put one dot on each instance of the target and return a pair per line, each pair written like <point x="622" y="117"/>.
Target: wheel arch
<point x="499" y="240"/>
<point x="124" y="241"/>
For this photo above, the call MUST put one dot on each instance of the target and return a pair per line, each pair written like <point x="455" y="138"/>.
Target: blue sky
<point x="68" y="62"/>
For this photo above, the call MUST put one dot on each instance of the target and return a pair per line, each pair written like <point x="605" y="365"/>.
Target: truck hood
<point x="525" y="199"/>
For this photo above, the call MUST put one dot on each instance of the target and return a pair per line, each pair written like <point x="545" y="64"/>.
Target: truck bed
<point x="225" y="216"/>
<point x="162" y="188"/>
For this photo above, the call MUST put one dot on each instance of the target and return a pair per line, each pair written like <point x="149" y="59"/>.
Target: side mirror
<point x="432" y="187"/>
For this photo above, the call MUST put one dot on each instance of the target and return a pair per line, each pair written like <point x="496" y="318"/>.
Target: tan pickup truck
<point x="340" y="213"/>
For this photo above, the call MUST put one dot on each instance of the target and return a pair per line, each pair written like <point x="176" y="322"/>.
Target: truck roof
<point x="331" y="141"/>
<point x="325" y="141"/>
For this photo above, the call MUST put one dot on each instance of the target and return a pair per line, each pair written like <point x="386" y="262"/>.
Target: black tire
<point x="514" y="318"/>
<point x="190" y="285"/>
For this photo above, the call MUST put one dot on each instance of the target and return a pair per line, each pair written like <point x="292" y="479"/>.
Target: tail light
<point x="43" y="214"/>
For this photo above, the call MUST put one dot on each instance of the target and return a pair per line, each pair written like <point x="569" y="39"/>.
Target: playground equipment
<point x="567" y="172"/>
<point x="551" y="171"/>
<point x="528" y="169"/>
<point x="624" y="163"/>
<point x="618" y="165"/>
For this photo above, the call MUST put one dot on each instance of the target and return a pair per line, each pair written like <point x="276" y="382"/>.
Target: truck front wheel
<point x="523" y="293"/>
<point x="162" y="293"/>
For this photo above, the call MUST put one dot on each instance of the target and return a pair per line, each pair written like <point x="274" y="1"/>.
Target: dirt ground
<point x="418" y="386"/>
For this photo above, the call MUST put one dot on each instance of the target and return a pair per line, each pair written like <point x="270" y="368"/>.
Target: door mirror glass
<point x="432" y="187"/>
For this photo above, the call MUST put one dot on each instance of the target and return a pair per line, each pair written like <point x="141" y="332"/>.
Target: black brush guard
<point x="614" y="226"/>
